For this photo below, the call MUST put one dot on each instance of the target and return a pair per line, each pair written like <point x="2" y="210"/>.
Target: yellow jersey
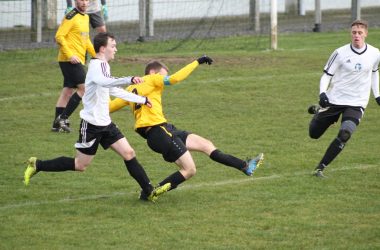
<point x="73" y="37"/>
<point x="152" y="87"/>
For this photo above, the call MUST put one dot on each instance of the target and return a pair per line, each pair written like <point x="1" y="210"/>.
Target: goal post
<point x="273" y="24"/>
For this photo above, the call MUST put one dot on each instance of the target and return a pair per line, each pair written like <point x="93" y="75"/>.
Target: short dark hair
<point x="156" y="66"/>
<point x="101" y="39"/>
<point x="360" y="23"/>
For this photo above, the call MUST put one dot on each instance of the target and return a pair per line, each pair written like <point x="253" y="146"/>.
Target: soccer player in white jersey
<point x="345" y="86"/>
<point x="96" y="126"/>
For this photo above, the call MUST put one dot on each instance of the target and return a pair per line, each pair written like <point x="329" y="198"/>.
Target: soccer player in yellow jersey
<point x="164" y="138"/>
<point x="73" y="39"/>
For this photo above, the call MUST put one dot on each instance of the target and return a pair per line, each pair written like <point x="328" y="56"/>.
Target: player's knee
<point x="210" y="145"/>
<point x="67" y="92"/>
<point x="193" y="171"/>
<point x="188" y="171"/>
<point x="80" y="92"/>
<point x="314" y="134"/>
<point x="128" y="153"/>
<point x="347" y="128"/>
<point x="207" y="142"/>
<point x="207" y="146"/>
<point x="344" y="135"/>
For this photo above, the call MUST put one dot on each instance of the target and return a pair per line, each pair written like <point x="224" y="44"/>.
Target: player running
<point x="345" y="87"/>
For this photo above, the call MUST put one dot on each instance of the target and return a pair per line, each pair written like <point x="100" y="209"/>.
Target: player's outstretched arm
<point x="183" y="73"/>
<point x="127" y="97"/>
<point x="117" y="104"/>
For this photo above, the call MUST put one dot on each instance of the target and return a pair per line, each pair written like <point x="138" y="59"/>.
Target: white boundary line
<point x="189" y="186"/>
<point x="28" y="96"/>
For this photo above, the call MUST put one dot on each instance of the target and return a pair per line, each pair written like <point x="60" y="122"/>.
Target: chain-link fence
<point x="178" y="19"/>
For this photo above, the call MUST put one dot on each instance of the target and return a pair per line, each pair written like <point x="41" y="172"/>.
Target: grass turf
<point x="250" y="100"/>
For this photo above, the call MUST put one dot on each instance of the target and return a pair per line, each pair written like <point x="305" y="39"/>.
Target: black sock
<point x="174" y="179"/>
<point x="73" y="103"/>
<point x="138" y="173"/>
<point x="56" y="165"/>
<point x="227" y="160"/>
<point x="58" y="111"/>
<point x="332" y="151"/>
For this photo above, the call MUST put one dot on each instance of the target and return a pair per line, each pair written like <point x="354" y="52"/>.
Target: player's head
<point x="154" y="67"/>
<point x="105" y="44"/>
<point x="81" y="5"/>
<point x="359" y="32"/>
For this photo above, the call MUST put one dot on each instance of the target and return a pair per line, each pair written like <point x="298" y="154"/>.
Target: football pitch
<point x="250" y="100"/>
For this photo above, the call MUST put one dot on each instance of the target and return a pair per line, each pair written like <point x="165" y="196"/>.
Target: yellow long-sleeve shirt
<point x="73" y="37"/>
<point x="152" y="87"/>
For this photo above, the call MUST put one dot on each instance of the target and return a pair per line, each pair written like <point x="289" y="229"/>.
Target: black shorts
<point x="96" y="19"/>
<point x="90" y="136"/>
<point x="326" y="117"/>
<point x="73" y="74"/>
<point x="167" y="140"/>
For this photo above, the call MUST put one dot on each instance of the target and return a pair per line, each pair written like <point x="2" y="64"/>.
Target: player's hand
<point x="68" y="10"/>
<point x="105" y="12"/>
<point x="74" y="60"/>
<point x="205" y="59"/>
<point x="313" y="109"/>
<point x="378" y="100"/>
<point x="147" y="102"/>
<point x="137" y="80"/>
<point x="323" y="100"/>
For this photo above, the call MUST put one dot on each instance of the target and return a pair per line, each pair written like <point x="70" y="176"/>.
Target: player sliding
<point x="344" y="91"/>
<point x="164" y="138"/>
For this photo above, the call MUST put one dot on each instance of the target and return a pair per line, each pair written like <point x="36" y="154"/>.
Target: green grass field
<point x="250" y="100"/>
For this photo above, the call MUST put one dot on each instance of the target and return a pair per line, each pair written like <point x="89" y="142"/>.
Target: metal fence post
<point x="36" y="22"/>
<point x="142" y="20"/>
<point x="254" y="14"/>
<point x="50" y="14"/>
<point x="355" y="10"/>
<point x="318" y="16"/>
<point x="149" y="16"/>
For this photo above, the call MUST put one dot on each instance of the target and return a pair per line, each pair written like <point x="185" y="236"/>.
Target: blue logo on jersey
<point x="358" y="67"/>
